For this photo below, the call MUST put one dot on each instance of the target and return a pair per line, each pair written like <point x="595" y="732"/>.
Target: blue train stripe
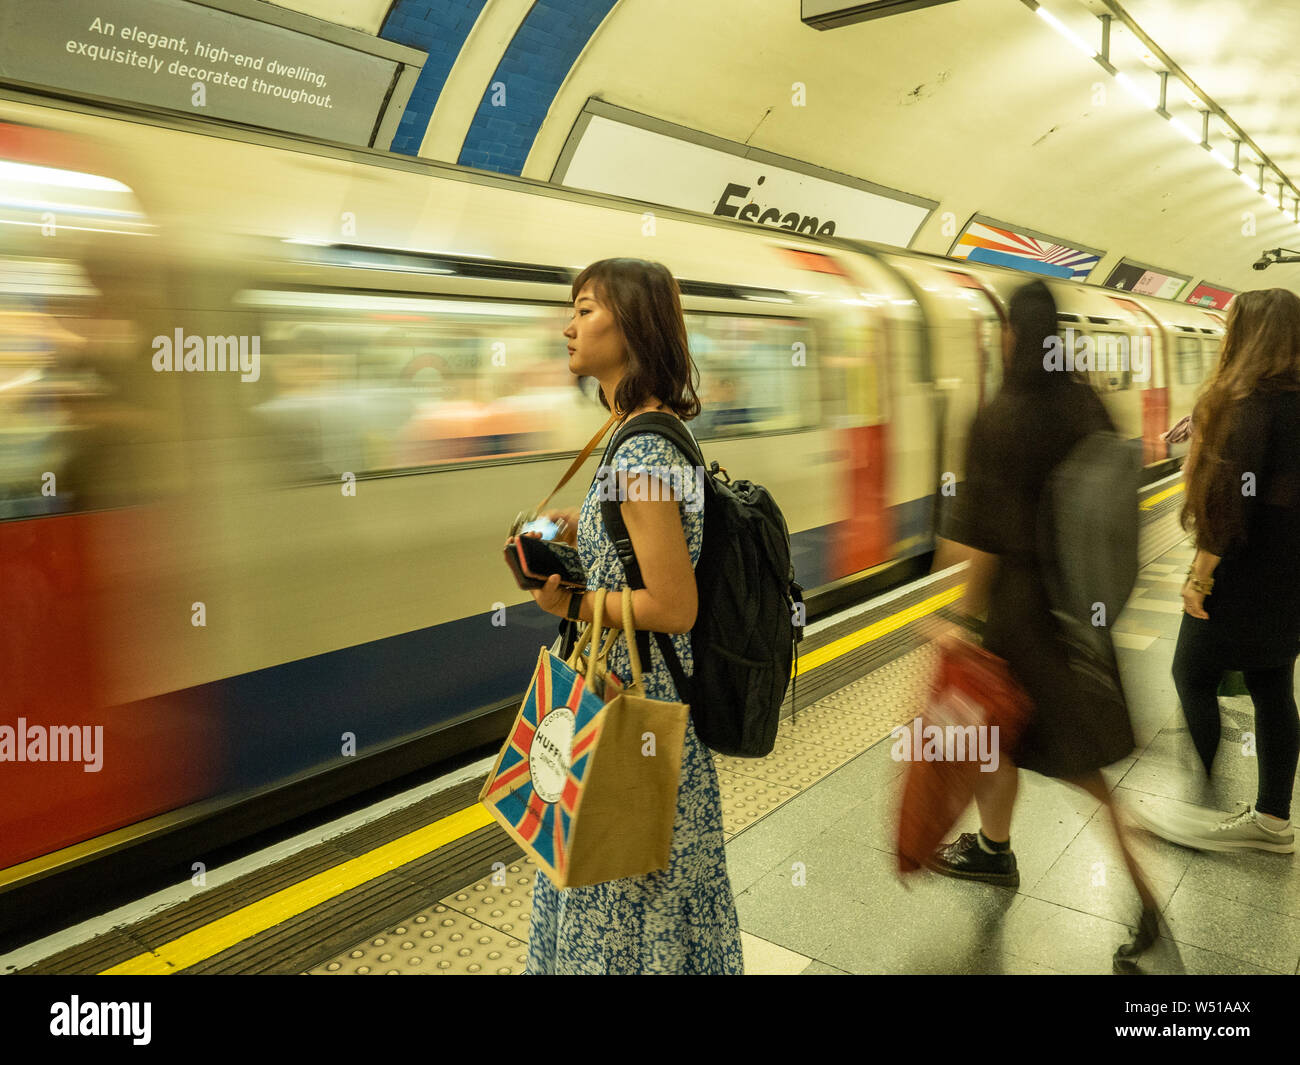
<point x="291" y="718"/>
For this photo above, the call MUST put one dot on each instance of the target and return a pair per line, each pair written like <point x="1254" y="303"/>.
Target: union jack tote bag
<point x="587" y="781"/>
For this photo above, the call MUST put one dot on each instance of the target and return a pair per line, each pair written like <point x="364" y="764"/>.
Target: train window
<point x="374" y="383"/>
<point x="368" y="383"/>
<point x="75" y="405"/>
<point x="1187" y="354"/>
<point x="1211" y="348"/>
<point x="1112" y="361"/>
<point x="83" y="420"/>
<point x="754" y="373"/>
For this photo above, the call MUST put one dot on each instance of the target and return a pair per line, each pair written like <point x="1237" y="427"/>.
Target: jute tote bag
<point x="589" y="788"/>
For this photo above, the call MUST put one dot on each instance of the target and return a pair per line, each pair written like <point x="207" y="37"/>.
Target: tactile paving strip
<point x="438" y="940"/>
<point x="793" y="763"/>
<point x="746" y="799"/>
<point x="838" y="726"/>
<point x="893" y="693"/>
<point x="506" y="906"/>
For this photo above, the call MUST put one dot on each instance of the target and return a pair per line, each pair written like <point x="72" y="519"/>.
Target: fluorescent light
<point x="1185" y="129"/>
<point x="1134" y="89"/>
<point x="1065" y="31"/>
<point x="67" y="208"/>
<point x="31" y="377"/>
<point x="1221" y="159"/>
<point x="1248" y="181"/>
<point x="64" y="227"/>
<point x="68" y="179"/>
<point x="328" y="301"/>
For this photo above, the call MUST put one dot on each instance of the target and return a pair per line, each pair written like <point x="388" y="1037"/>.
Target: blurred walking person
<point x="1241" y="600"/>
<point x="1015" y="443"/>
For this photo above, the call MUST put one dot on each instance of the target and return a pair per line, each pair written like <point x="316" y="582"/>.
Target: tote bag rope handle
<point x="582" y="457"/>
<point x="611" y="637"/>
<point x="590" y="635"/>
<point x="598" y="656"/>
<point x="629" y="630"/>
<point x="597" y="616"/>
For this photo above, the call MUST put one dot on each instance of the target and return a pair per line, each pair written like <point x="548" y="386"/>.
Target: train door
<point x="853" y="393"/>
<point x="1151" y="353"/>
<point x="914" y="418"/>
<point x="87" y="452"/>
<point x="988" y="321"/>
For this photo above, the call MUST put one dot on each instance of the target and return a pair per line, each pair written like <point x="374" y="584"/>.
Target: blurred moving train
<point x="261" y="580"/>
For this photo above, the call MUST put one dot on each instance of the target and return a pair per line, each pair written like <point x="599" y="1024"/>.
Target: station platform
<point x="810" y="852"/>
<point x="426" y="883"/>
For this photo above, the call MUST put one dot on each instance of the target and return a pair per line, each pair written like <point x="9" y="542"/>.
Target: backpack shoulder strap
<point x="664" y="425"/>
<point x="671" y="428"/>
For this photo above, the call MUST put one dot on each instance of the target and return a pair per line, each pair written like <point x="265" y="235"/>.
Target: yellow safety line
<point x="234" y="928"/>
<point x="845" y="644"/>
<point x="1147" y="504"/>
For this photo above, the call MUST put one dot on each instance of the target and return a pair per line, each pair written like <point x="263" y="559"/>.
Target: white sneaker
<point x="1213" y="830"/>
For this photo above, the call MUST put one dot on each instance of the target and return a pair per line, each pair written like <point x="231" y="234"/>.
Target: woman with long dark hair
<point x="1015" y="442"/>
<point x="1241" y="600"/>
<point x="628" y="333"/>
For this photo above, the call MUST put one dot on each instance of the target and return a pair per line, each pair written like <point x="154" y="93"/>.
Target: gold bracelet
<point x="1204" y="585"/>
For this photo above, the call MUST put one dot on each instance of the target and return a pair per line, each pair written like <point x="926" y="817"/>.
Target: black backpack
<point x="1088" y="529"/>
<point x="1088" y="526"/>
<point x="745" y="639"/>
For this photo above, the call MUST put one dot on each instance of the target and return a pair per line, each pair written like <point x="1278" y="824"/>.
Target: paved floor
<point x="817" y="891"/>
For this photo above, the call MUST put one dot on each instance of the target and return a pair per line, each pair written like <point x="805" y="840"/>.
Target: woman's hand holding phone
<point x="569" y="533"/>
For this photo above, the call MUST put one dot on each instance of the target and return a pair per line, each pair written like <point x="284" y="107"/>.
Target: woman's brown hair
<point x="647" y="306"/>
<point x="1261" y="352"/>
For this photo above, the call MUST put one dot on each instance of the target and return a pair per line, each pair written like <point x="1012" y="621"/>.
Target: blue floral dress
<point x="681" y="919"/>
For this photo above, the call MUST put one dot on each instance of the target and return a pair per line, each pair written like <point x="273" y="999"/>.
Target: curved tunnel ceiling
<point x="976" y="104"/>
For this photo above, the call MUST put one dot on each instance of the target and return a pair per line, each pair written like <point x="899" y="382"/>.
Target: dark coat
<point x="1255" y="605"/>
<point x="1014" y="444"/>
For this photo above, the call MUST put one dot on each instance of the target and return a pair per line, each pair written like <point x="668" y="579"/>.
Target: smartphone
<point x="532" y="561"/>
<point x="544" y="526"/>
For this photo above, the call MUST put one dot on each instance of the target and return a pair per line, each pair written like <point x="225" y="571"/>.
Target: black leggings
<point x="1199" y="664"/>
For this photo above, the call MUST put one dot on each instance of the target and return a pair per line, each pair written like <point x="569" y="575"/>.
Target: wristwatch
<point x="575" y="605"/>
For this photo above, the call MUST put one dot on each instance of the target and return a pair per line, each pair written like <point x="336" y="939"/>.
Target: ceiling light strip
<point x="1209" y="107"/>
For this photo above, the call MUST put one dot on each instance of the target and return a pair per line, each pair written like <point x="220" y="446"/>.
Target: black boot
<point x="1148" y="931"/>
<point x="967" y="860"/>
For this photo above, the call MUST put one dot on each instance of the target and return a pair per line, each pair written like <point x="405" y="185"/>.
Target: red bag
<point x="976" y="711"/>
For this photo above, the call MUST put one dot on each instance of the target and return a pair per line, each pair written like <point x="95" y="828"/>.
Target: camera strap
<point x="583" y="455"/>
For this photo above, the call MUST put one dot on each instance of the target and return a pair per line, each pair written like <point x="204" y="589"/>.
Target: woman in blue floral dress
<point x="627" y="331"/>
